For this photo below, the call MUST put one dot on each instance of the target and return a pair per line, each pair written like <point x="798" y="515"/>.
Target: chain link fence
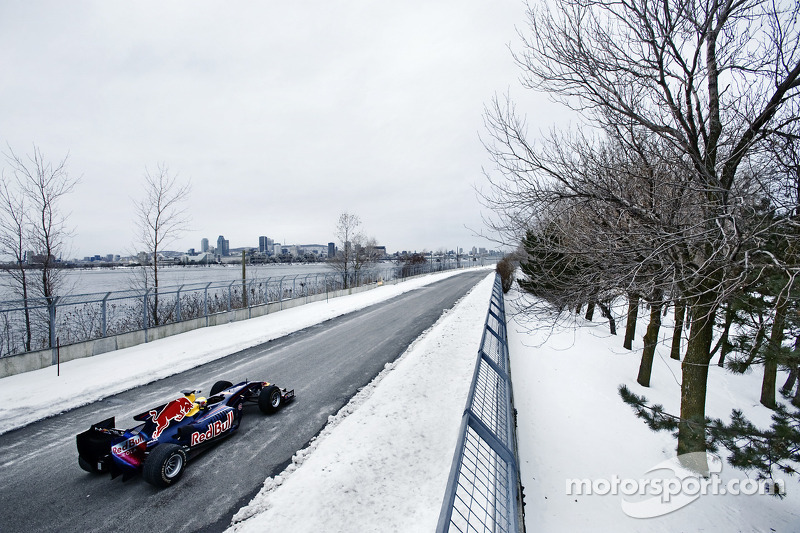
<point x="484" y="493"/>
<point x="37" y="324"/>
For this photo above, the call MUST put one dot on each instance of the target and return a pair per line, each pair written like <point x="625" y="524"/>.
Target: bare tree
<point x="161" y="218"/>
<point x="14" y="233"/>
<point x="44" y="184"/>
<point x="712" y="80"/>
<point x="348" y="236"/>
<point x="356" y="252"/>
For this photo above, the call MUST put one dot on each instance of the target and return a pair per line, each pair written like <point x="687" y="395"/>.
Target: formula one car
<point x="173" y="433"/>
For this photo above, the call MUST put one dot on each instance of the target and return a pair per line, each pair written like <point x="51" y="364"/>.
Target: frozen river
<point x="84" y="281"/>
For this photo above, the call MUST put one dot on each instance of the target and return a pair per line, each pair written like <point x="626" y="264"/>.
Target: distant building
<point x="312" y="249"/>
<point x="265" y="245"/>
<point x="223" y="246"/>
<point x="204" y="245"/>
<point x="331" y="249"/>
<point x="201" y="258"/>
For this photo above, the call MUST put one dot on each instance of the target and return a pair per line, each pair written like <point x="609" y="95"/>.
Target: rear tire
<point x="269" y="399"/>
<point x="86" y="465"/>
<point x="164" y="465"/>
<point x="219" y="386"/>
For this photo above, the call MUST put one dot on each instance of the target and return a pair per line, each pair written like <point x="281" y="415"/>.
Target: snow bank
<point x="83" y="381"/>
<point x="382" y="462"/>
<point x="573" y="425"/>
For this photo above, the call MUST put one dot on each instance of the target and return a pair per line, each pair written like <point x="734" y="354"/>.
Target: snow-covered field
<point x="573" y="425"/>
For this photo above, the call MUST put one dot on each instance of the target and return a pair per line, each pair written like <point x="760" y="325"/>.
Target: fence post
<point x="104" y="325"/>
<point x="205" y="301"/>
<point x="178" y="304"/>
<point x="51" y="309"/>
<point x="145" y="314"/>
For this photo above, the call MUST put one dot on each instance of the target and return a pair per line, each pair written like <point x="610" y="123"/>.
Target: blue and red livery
<point x="173" y="433"/>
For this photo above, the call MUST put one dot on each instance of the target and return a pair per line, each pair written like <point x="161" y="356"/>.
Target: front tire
<point x="269" y="399"/>
<point x="164" y="465"/>
<point x="219" y="386"/>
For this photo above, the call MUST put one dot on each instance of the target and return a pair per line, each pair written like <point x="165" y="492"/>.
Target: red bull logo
<point x="174" y="410"/>
<point x="128" y="450"/>
<point x="215" y="428"/>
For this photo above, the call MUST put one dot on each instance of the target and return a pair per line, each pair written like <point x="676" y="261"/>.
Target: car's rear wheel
<point x="220" y="386"/>
<point x="269" y="399"/>
<point x="164" y="465"/>
<point x="86" y="465"/>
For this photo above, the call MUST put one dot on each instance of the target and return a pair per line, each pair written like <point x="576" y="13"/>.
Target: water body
<point x="101" y="280"/>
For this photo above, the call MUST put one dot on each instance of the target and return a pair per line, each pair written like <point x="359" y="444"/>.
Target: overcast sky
<point x="281" y="114"/>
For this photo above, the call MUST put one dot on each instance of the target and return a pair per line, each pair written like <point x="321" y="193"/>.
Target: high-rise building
<point x="265" y="245"/>
<point x="331" y="250"/>
<point x="223" y="246"/>
<point x="204" y="245"/>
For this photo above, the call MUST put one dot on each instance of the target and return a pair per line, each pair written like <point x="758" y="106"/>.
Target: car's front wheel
<point x="164" y="465"/>
<point x="269" y="399"/>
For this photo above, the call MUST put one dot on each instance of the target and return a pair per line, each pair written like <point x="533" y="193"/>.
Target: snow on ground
<point x="382" y="463"/>
<point x="83" y="381"/>
<point x="573" y="425"/>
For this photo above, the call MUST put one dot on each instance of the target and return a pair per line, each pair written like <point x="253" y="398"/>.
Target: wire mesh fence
<point x="37" y="323"/>
<point x="484" y="493"/>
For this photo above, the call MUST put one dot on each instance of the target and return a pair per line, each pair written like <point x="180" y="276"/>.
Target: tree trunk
<point x="793" y="368"/>
<point x="796" y="399"/>
<point x="722" y="345"/>
<point x="606" y="312"/>
<point x="630" y="326"/>
<point x="155" y="286"/>
<point x="28" y="334"/>
<point x="768" y="384"/>
<point x="790" y="381"/>
<point x="677" y="332"/>
<point x="590" y="310"/>
<point x="650" y="342"/>
<point x="759" y="340"/>
<point x="694" y="371"/>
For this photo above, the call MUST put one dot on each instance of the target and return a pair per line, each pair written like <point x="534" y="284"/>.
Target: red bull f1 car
<point x="171" y="434"/>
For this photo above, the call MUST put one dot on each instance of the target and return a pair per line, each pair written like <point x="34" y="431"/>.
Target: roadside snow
<point x="382" y="462"/>
<point x="573" y="425"/>
<point x="83" y="381"/>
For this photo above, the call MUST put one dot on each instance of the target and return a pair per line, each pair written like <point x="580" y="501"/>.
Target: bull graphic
<point x="174" y="410"/>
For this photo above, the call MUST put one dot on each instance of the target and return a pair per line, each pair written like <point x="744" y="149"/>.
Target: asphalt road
<point x="42" y="488"/>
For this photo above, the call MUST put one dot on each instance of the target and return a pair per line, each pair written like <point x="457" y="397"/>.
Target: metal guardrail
<point x="70" y="319"/>
<point x="484" y="493"/>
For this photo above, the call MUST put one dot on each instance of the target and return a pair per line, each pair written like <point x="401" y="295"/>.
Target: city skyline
<point x="304" y="245"/>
